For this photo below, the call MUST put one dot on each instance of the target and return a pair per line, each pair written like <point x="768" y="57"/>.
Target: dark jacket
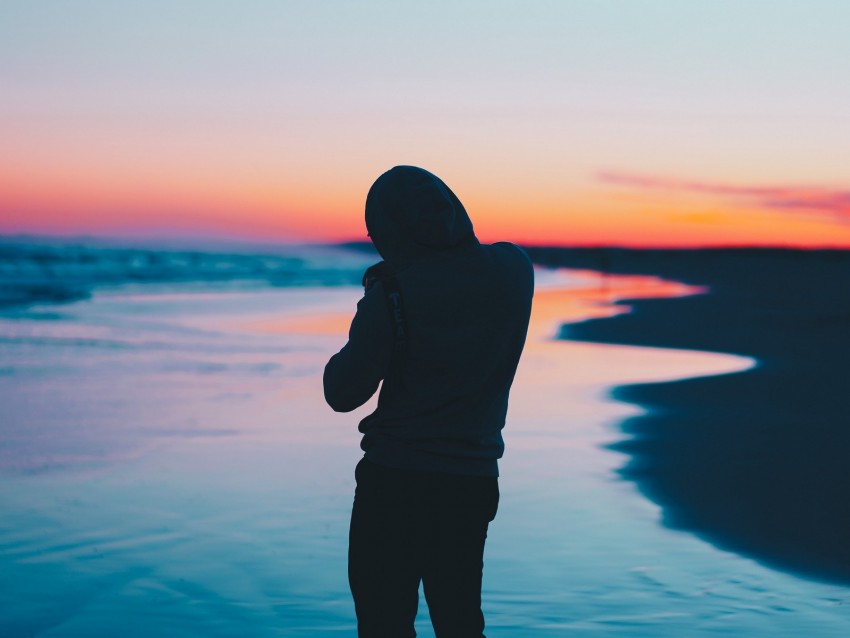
<point x="466" y="307"/>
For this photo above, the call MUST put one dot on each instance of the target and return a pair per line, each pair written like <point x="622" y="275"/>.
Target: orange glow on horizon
<point x="271" y="211"/>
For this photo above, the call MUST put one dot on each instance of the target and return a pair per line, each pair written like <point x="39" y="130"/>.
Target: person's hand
<point x="374" y="273"/>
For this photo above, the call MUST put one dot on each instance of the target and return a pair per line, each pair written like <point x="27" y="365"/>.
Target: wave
<point x="38" y="272"/>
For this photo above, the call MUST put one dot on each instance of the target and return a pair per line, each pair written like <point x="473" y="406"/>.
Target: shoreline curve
<point x="754" y="462"/>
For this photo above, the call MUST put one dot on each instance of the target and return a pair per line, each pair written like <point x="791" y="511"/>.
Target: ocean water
<point x="168" y="466"/>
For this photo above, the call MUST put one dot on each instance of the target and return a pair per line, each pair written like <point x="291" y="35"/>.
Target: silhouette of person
<point x="442" y="323"/>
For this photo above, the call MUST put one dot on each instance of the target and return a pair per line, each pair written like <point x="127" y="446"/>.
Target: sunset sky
<point x="639" y="122"/>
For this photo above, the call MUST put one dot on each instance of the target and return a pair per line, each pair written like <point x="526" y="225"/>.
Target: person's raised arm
<point x="352" y="375"/>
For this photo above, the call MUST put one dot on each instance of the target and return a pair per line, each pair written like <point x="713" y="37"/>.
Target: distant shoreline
<point x="755" y="462"/>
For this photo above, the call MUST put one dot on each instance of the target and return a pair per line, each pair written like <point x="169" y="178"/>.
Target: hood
<point x="412" y="214"/>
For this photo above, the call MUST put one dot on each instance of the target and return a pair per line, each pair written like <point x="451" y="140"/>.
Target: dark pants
<point x="408" y="526"/>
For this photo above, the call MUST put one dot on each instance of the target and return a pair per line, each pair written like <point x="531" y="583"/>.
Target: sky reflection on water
<point x="171" y="469"/>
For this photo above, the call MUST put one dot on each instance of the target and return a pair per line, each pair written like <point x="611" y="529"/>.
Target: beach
<point x="755" y="462"/>
<point x="170" y="467"/>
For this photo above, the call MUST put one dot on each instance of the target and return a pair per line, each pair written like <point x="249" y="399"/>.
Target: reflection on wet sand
<point x="205" y="486"/>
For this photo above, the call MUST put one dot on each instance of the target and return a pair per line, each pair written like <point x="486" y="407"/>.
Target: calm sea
<point x="168" y="466"/>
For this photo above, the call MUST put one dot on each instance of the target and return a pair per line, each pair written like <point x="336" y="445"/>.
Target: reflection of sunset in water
<point x="593" y="297"/>
<point x="565" y="296"/>
<point x="319" y="324"/>
<point x="558" y="399"/>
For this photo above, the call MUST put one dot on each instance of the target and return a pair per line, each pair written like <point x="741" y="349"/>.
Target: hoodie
<point x="442" y="406"/>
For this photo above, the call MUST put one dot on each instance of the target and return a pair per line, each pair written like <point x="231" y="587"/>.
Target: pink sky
<point x="556" y="123"/>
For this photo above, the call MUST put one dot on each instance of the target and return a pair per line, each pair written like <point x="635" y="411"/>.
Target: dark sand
<point x="756" y="462"/>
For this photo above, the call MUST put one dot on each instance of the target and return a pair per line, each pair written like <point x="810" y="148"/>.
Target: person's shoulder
<point x="509" y="251"/>
<point x="514" y="263"/>
<point x="373" y="299"/>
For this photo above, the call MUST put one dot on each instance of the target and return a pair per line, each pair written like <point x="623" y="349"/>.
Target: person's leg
<point x="381" y="567"/>
<point x="453" y="567"/>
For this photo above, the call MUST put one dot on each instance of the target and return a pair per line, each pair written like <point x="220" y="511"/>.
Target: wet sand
<point x="755" y="462"/>
<point x="186" y="474"/>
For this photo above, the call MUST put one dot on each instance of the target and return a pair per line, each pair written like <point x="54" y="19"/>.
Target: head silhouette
<point x="411" y="214"/>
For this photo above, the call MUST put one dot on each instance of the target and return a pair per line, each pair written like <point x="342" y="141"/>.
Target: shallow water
<point x="169" y="468"/>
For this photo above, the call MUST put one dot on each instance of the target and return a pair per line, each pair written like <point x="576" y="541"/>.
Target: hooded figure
<point x="442" y="323"/>
<point x="412" y="214"/>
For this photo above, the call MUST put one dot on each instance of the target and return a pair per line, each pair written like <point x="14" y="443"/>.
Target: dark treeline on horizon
<point x="684" y="264"/>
